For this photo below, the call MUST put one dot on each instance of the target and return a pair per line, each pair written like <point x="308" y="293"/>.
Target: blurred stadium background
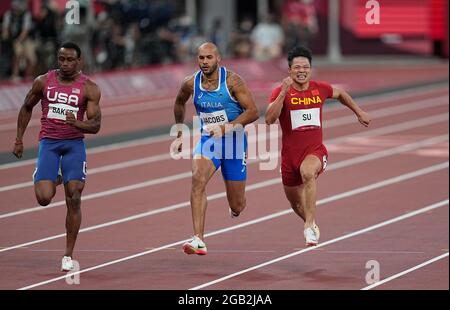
<point x="138" y="51"/>
<point x="137" y="197"/>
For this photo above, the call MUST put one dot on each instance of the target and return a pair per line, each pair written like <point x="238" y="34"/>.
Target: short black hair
<point x="299" y="51"/>
<point x="72" y="46"/>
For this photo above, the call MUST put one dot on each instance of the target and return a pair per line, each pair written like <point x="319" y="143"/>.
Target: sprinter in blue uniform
<point x="224" y="105"/>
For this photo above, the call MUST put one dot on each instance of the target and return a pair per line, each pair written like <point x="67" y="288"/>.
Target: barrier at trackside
<point x="152" y="82"/>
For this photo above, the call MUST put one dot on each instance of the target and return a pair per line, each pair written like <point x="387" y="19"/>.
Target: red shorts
<point x="290" y="165"/>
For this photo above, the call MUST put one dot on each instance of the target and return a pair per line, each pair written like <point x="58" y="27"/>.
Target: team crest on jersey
<point x="76" y="90"/>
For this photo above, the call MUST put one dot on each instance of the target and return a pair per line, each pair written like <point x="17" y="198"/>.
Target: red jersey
<point x="57" y="100"/>
<point x="301" y="118"/>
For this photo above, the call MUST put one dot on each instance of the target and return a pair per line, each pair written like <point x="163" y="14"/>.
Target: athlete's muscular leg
<point x="202" y="171"/>
<point x="45" y="190"/>
<point x="236" y="195"/>
<point x="309" y="170"/>
<point x="73" y="191"/>
<point x="296" y="199"/>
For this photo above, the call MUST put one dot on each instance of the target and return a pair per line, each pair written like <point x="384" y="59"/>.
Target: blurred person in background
<point x="16" y="35"/>
<point x="267" y="39"/>
<point x="240" y="42"/>
<point x="299" y="20"/>
<point x="217" y="34"/>
<point x="81" y="33"/>
<point x="46" y="35"/>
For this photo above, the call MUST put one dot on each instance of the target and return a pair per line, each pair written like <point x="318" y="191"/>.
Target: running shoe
<point x="67" y="264"/>
<point x="311" y="238"/>
<point x="195" y="246"/>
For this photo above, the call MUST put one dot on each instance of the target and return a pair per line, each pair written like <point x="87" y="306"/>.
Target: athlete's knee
<point x="44" y="197"/>
<point x="43" y="200"/>
<point x="238" y="204"/>
<point x="307" y="175"/>
<point x="74" y="201"/>
<point x="199" y="182"/>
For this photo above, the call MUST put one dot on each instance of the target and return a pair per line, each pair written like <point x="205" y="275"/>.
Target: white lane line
<point x="99" y="149"/>
<point x="345" y="120"/>
<point x="390" y="111"/>
<point x="160" y="138"/>
<point x="143" y="104"/>
<point x="159" y="181"/>
<point x="223" y="194"/>
<point x="269" y="217"/>
<point x="397" y="275"/>
<point x="344" y="237"/>
<point x="101" y="169"/>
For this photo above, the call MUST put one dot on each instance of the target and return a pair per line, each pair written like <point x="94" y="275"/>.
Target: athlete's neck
<point x="300" y="87"/>
<point x="213" y="76"/>
<point x="68" y="78"/>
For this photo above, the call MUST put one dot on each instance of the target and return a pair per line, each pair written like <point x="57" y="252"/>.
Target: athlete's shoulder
<point x="234" y="80"/>
<point x="319" y="84"/>
<point x="40" y="81"/>
<point x="274" y="94"/>
<point x="92" y="90"/>
<point x="277" y="89"/>
<point x="91" y="84"/>
<point x="231" y="75"/>
<point x="188" y="81"/>
<point x="323" y="87"/>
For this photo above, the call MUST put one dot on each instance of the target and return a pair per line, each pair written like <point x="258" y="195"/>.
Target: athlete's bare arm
<point x="185" y="92"/>
<point x="93" y="112"/>
<point x="348" y="101"/>
<point x="33" y="97"/>
<point x="242" y="94"/>
<point x="273" y="111"/>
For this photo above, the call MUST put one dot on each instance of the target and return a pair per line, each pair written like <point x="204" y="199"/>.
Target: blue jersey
<point x="215" y="107"/>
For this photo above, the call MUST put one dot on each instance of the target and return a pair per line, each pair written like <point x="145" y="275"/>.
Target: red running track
<point x="135" y="217"/>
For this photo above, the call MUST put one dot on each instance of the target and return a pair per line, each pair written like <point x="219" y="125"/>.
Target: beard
<point x="210" y="69"/>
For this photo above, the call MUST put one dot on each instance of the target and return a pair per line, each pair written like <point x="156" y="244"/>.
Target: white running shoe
<point x="67" y="264"/>
<point x="195" y="246"/>
<point x="310" y="237"/>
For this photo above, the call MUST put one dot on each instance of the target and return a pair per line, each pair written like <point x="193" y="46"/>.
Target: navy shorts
<point x="69" y="154"/>
<point x="228" y="153"/>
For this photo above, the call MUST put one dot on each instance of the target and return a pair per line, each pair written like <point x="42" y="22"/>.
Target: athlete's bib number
<point x="59" y="110"/>
<point x="213" y="118"/>
<point x="301" y="119"/>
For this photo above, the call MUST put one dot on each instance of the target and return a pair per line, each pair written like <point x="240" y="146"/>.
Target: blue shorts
<point x="71" y="154"/>
<point x="228" y="152"/>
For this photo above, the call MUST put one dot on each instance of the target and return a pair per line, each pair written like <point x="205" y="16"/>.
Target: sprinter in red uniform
<point x="298" y="104"/>
<point x="66" y="95"/>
